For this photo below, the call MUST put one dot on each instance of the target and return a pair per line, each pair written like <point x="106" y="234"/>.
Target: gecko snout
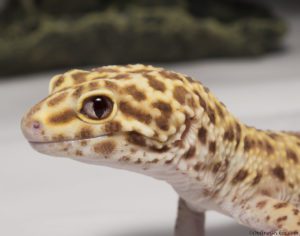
<point x="32" y="130"/>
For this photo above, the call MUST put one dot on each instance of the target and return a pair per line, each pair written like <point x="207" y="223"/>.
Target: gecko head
<point x="112" y="113"/>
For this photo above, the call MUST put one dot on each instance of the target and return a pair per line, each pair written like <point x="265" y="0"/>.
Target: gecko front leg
<point x="189" y="222"/>
<point x="269" y="215"/>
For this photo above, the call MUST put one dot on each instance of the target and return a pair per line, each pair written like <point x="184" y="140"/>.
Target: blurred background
<point x="246" y="52"/>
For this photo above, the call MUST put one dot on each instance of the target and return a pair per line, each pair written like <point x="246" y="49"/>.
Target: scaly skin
<point x="168" y="126"/>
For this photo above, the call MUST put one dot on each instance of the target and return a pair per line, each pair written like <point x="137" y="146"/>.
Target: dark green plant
<point x="39" y="36"/>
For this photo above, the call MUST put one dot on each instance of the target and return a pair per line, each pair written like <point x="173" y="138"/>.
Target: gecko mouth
<point x="66" y="147"/>
<point x="66" y="140"/>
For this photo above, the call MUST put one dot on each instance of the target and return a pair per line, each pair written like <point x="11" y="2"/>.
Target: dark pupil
<point x="100" y="105"/>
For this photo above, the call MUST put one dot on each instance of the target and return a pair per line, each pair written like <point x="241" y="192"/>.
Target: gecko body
<point x="166" y="125"/>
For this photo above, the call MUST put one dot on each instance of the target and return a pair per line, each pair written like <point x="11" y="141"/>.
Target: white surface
<point x="47" y="196"/>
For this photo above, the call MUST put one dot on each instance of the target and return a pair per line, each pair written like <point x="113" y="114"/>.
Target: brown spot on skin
<point x="111" y="85"/>
<point x="223" y="177"/>
<point x="222" y="104"/>
<point x="280" y="205"/>
<point x="201" y="101"/>
<point x="178" y="143"/>
<point x="240" y="176"/>
<point x="198" y="166"/>
<point x="58" y="81"/>
<point x="154" y="161"/>
<point x="170" y="75"/>
<point x="206" y="89"/>
<point x="260" y="144"/>
<point x="216" y="167"/>
<point x="202" y="135"/>
<point x="295" y="211"/>
<point x="229" y="134"/>
<point x="79" y="77"/>
<point x="136" y="138"/>
<point x="135" y="93"/>
<point x="83" y="143"/>
<point x="121" y="76"/>
<point x="139" y="115"/>
<point x="273" y="135"/>
<point x="159" y="150"/>
<point x="247" y="144"/>
<point x="215" y="193"/>
<point x="35" y="109"/>
<point x="105" y="147"/>
<point x="78" y="91"/>
<point x="190" y="153"/>
<point x="291" y="185"/>
<point x="238" y="131"/>
<point x="168" y="161"/>
<point x="179" y="94"/>
<point x="290" y="154"/>
<point x="164" y="108"/>
<point x="78" y="153"/>
<point x="141" y="71"/>
<point x="206" y="192"/>
<point x="279" y="173"/>
<point x="211" y="115"/>
<point x="85" y="132"/>
<point x="93" y="85"/>
<point x="212" y="147"/>
<point x="266" y="192"/>
<point x="268" y="218"/>
<point x="191" y="103"/>
<point x="103" y="69"/>
<point x="124" y="158"/>
<point x="63" y="117"/>
<point x="100" y="77"/>
<point x="155" y="84"/>
<point x="257" y="178"/>
<point x="226" y="163"/>
<point x="188" y="123"/>
<point x="138" y="161"/>
<point x="58" y="138"/>
<point x="282" y="218"/>
<point x="162" y="123"/>
<point x="220" y="111"/>
<point x="261" y="204"/>
<point x="57" y="99"/>
<point x="113" y="127"/>
<point x="188" y="78"/>
<point x="269" y="148"/>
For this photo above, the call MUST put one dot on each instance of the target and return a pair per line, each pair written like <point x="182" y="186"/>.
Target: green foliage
<point x="130" y="34"/>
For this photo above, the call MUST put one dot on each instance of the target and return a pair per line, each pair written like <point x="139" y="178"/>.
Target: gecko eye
<point x="97" y="107"/>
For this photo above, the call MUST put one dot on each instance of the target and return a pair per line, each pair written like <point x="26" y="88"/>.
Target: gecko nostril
<point x="36" y="125"/>
<point x="33" y="130"/>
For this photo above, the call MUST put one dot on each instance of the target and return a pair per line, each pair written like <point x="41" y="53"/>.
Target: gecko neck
<point x="201" y="169"/>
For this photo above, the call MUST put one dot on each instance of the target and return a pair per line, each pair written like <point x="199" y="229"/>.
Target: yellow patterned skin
<point x="169" y="126"/>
